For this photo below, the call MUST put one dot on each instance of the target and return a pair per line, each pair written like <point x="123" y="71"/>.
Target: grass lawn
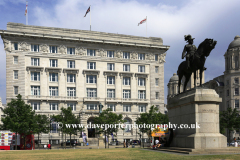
<point x="118" y="153"/>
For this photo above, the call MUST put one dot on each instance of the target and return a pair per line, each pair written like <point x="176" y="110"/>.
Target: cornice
<point x="118" y="41"/>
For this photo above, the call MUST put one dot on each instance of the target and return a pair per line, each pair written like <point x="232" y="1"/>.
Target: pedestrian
<point x="124" y="144"/>
<point x="49" y="146"/>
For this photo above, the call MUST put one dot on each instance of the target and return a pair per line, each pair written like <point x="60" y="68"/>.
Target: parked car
<point x="73" y="142"/>
<point x="135" y="142"/>
<point x="232" y="143"/>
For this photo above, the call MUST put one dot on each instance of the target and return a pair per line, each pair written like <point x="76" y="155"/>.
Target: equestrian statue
<point x="195" y="59"/>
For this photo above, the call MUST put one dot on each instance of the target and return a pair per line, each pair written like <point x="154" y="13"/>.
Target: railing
<point x="52" y="97"/>
<point x="92" y="99"/>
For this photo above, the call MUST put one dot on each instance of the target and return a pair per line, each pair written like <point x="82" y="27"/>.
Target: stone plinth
<point x="199" y="106"/>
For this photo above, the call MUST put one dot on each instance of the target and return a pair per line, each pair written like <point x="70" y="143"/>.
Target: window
<point x="110" y="66"/>
<point x="53" y="91"/>
<point x="91" y="79"/>
<point x="227" y="92"/>
<point x="70" y="50"/>
<point x="141" y="94"/>
<point x="236" y="91"/>
<point x="53" y="63"/>
<point x="92" y="106"/>
<point x="126" y="67"/>
<point x="53" y="49"/>
<point x="156" y="57"/>
<point x="16" y="90"/>
<point x="91" y="65"/>
<point x="91" y="92"/>
<point x="141" y="69"/>
<point x="71" y="91"/>
<point x="35" y="90"/>
<point x="236" y="80"/>
<point x="53" y="106"/>
<point x="110" y="54"/>
<point x="53" y="77"/>
<point x="157" y="95"/>
<point x="141" y="56"/>
<point x="54" y="127"/>
<point x="126" y="108"/>
<point x="110" y="80"/>
<point x="70" y="64"/>
<point x="126" y="80"/>
<point x="112" y="107"/>
<point x="15" y="74"/>
<point x="35" y="76"/>
<point x="91" y="52"/>
<point x="35" y="61"/>
<point x="156" y="81"/>
<point x="126" y="93"/>
<point x="35" y="106"/>
<point x="227" y="82"/>
<point x="141" y="81"/>
<point x="126" y="55"/>
<point x="15" y="59"/>
<point x="15" y="46"/>
<point x="71" y="78"/>
<point x="35" y="48"/>
<point x="72" y="106"/>
<point x="236" y="103"/>
<point x="111" y="93"/>
<point x="142" y="108"/>
<point x="156" y="69"/>
<point x="236" y="62"/>
<point x="228" y="105"/>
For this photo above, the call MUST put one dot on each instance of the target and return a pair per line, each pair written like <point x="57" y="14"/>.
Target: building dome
<point x="174" y="78"/>
<point x="235" y="42"/>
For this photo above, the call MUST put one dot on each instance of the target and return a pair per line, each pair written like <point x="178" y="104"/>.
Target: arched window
<point x="54" y="126"/>
<point x="236" y="62"/>
<point x="91" y="131"/>
<point x="127" y="125"/>
<point x="227" y="63"/>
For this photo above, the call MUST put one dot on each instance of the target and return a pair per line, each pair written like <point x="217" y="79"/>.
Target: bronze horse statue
<point x="197" y="63"/>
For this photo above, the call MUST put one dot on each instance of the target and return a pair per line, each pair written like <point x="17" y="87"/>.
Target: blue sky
<point x="168" y="19"/>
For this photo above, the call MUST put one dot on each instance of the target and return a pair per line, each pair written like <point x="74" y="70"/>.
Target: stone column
<point x="196" y="106"/>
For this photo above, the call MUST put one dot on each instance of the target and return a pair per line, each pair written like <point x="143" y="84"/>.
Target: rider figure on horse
<point x="189" y="48"/>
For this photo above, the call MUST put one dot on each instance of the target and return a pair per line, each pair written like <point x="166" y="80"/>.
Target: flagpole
<point x="90" y="17"/>
<point x="27" y="13"/>
<point x="146" y="26"/>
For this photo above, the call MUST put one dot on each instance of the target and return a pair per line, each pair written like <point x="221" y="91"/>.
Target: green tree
<point x="67" y="117"/>
<point x="19" y="117"/>
<point x="152" y="117"/>
<point x="110" y="118"/>
<point x="230" y="120"/>
<point x="42" y="122"/>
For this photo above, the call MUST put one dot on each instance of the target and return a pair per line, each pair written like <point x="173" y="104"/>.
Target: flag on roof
<point x="143" y="21"/>
<point x="26" y="9"/>
<point x="87" y="11"/>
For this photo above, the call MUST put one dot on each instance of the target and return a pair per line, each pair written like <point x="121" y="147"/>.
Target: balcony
<point x="91" y="99"/>
<point x="57" y="98"/>
<point x="126" y="100"/>
<point x="34" y="69"/>
<point x="70" y="70"/>
<point x="141" y="75"/>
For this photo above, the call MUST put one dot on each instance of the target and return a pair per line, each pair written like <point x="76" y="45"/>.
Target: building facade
<point x="54" y="67"/>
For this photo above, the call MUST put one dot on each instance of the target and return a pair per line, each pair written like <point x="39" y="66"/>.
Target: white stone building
<point x="55" y="67"/>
